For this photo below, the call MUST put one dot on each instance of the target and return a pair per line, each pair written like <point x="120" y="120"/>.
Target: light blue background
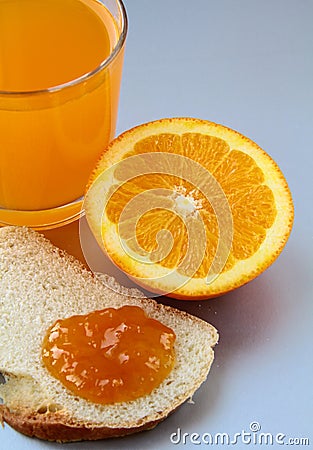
<point x="246" y="64"/>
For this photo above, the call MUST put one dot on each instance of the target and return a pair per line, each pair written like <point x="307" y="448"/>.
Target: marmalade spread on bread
<point x="108" y="356"/>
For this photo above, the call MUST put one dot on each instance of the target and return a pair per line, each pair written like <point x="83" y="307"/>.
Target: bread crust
<point x="25" y="408"/>
<point x="60" y="428"/>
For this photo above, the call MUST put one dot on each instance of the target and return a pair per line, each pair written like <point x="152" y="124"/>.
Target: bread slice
<point x="39" y="284"/>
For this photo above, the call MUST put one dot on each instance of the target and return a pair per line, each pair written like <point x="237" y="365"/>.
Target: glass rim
<point x="105" y="63"/>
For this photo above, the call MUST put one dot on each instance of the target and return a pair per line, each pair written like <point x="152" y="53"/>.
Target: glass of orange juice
<point x="60" y="72"/>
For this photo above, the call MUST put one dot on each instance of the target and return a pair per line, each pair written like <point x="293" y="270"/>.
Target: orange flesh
<point x="108" y="356"/>
<point x="251" y="202"/>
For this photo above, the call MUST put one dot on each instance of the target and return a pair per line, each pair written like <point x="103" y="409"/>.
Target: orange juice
<point x="55" y="116"/>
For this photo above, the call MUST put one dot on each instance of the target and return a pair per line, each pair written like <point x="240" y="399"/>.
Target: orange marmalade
<point x="108" y="356"/>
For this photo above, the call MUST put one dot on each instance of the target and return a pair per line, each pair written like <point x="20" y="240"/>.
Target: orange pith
<point x="152" y="213"/>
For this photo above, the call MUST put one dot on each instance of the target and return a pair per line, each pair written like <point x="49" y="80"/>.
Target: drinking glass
<point x="60" y="73"/>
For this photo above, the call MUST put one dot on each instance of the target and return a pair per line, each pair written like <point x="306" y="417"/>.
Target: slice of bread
<point x="38" y="285"/>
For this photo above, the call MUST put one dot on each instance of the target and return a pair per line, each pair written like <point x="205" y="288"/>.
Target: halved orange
<point x="188" y="208"/>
